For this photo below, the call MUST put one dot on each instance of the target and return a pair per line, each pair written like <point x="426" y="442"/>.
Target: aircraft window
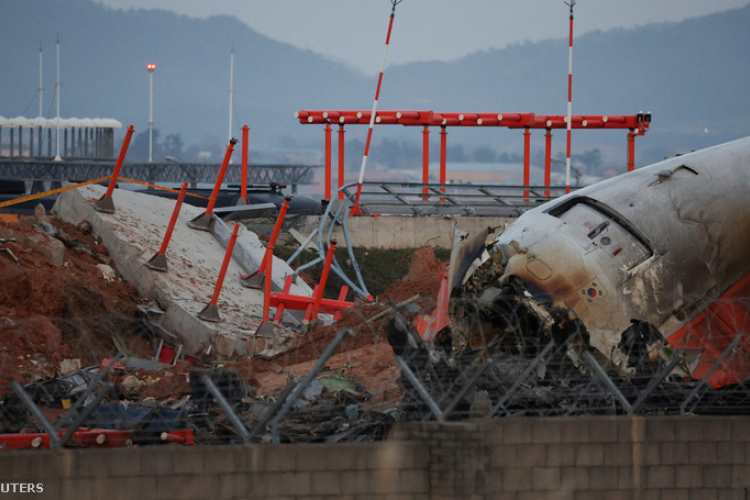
<point x="594" y="225"/>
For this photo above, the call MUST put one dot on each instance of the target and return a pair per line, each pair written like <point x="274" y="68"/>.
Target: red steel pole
<point x="570" y="4"/>
<point x="443" y="155"/>
<point x="120" y="159"/>
<point x="323" y="279"/>
<point x="279" y="222"/>
<point x="425" y="157"/>
<point x="355" y="209"/>
<point x="526" y="160"/>
<point x="172" y="222"/>
<point x="341" y="160"/>
<point x="275" y="233"/>
<point x="220" y="178"/>
<point x="328" y="162"/>
<point x="342" y="297"/>
<point x="225" y="265"/>
<point x="547" y="160"/>
<point x="631" y="151"/>
<point x="281" y="307"/>
<point x="268" y="265"/>
<point x="245" y="146"/>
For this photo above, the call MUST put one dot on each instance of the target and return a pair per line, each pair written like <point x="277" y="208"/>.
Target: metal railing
<point x="472" y="200"/>
<point x="193" y="173"/>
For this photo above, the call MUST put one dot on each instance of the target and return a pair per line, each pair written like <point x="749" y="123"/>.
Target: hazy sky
<point x="353" y="31"/>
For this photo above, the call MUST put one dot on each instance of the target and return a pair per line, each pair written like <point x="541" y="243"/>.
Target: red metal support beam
<point x="637" y="124"/>
<point x="159" y="261"/>
<point x="328" y="162"/>
<point x="220" y="177"/>
<point x="509" y="120"/>
<point x="105" y="203"/>
<point x="443" y="154"/>
<point x="341" y="161"/>
<point x="120" y="159"/>
<point x="547" y="160"/>
<point x="425" y="157"/>
<point x="211" y="311"/>
<point x="264" y="273"/>
<point x="526" y="159"/>
<point x="323" y="279"/>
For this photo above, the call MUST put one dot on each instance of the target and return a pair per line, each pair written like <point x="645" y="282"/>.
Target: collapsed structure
<point x="639" y="275"/>
<point x="621" y="297"/>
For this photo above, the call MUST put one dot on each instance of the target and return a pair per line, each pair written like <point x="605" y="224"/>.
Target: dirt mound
<point x="375" y="365"/>
<point x="49" y="313"/>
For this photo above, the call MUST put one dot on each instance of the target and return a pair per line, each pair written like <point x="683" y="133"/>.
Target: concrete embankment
<point x="134" y="234"/>
<point x="397" y="232"/>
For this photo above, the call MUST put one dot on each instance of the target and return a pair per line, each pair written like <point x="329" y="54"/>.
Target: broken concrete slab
<point x="134" y="233"/>
<point x="42" y="242"/>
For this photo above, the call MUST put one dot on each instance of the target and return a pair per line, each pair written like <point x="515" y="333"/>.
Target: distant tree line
<point x="388" y="152"/>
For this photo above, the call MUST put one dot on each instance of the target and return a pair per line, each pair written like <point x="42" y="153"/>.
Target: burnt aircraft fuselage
<point x="659" y="244"/>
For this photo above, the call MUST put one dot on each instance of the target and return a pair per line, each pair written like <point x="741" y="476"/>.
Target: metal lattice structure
<point x="194" y="173"/>
<point x="434" y="199"/>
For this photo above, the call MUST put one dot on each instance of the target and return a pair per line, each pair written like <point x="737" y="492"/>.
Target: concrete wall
<point x="525" y="458"/>
<point x="395" y="232"/>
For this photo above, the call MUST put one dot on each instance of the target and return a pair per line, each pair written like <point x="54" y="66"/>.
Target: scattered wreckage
<point x="623" y="297"/>
<point x="641" y="280"/>
<point x="212" y="405"/>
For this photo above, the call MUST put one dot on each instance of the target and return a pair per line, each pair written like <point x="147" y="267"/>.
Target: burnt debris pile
<point x="83" y="363"/>
<point x="505" y="349"/>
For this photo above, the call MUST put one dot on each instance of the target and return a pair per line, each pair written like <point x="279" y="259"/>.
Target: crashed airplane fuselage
<point x="660" y="245"/>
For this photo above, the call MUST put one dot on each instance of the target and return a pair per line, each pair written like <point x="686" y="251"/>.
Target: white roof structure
<point x="21" y="121"/>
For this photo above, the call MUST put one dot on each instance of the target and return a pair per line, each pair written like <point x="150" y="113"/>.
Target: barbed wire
<point x="50" y="367"/>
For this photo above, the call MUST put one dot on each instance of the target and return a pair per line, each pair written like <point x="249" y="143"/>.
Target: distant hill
<point x="104" y="53"/>
<point x="693" y="76"/>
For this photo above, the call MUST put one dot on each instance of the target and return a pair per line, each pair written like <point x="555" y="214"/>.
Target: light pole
<point x="150" y="67"/>
<point x="57" y="90"/>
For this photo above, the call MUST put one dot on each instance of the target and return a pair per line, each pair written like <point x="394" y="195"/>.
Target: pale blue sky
<point x="353" y="31"/>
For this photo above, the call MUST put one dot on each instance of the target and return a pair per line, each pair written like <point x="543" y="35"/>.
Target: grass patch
<point x="380" y="268"/>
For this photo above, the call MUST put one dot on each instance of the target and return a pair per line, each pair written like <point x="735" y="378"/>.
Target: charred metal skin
<point x="656" y="245"/>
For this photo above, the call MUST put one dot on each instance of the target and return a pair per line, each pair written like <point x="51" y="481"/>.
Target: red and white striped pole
<point x="570" y="4"/>
<point x="355" y="209"/>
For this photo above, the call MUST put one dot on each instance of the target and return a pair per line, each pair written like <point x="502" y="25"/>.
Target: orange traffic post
<point x="105" y="203"/>
<point x="211" y="311"/>
<point x="159" y="261"/>
<point x="257" y="279"/>
<point x="202" y="221"/>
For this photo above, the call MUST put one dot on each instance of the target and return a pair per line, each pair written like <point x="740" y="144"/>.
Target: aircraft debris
<point x="638" y="275"/>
